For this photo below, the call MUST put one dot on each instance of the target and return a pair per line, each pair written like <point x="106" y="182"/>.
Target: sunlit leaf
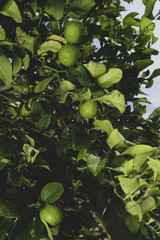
<point x="5" y="70"/>
<point x="13" y="12"/>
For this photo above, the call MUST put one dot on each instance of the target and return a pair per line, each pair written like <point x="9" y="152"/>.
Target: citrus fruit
<point x="51" y="214"/>
<point x="74" y="31"/>
<point x="88" y="109"/>
<point x="68" y="55"/>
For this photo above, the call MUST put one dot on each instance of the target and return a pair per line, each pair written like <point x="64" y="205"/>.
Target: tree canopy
<point x="72" y="131"/>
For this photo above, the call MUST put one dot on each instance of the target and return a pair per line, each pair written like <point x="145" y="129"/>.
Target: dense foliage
<point x="102" y="171"/>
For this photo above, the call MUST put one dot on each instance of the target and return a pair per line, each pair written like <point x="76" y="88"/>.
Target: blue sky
<point x="153" y="92"/>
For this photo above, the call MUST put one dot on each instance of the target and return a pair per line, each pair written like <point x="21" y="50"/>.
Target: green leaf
<point x="113" y="76"/>
<point x="155" y="73"/>
<point x="96" y="164"/>
<point x="115" y="139"/>
<point x="132" y="223"/>
<point x="149" y="8"/>
<point x="55" y="8"/>
<point x="95" y="69"/>
<point x="144" y="23"/>
<point x="155" y="114"/>
<point x="44" y="122"/>
<point x="9" y="210"/>
<point x="82" y="6"/>
<point x="134" y="209"/>
<point x="26" y="40"/>
<point x="53" y="46"/>
<point x="137" y="149"/>
<point x="16" y="63"/>
<point x="4" y="5"/>
<point x="5" y="224"/>
<point x="64" y="86"/>
<point x="83" y="94"/>
<point x="147" y="204"/>
<point x="13" y="12"/>
<point x="32" y="228"/>
<point x="129" y="186"/>
<point x="2" y="34"/>
<point x="57" y="38"/>
<point x="155" y="166"/>
<point x="31" y="152"/>
<point x="128" y="167"/>
<point x="142" y="64"/>
<point x="15" y="178"/>
<point x="26" y="62"/>
<point x="104" y="125"/>
<point x="140" y="159"/>
<point x="78" y="75"/>
<point x="40" y="87"/>
<point x="74" y="137"/>
<point x="114" y="98"/>
<point x="130" y="21"/>
<point x="5" y="70"/>
<point x="51" y="192"/>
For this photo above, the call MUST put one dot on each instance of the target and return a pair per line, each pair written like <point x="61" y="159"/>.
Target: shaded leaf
<point x="142" y="64"/>
<point x="55" y="8"/>
<point x="51" y="192"/>
<point x="78" y="75"/>
<point x="132" y="223"/>
<point x="134" y="208"/>
<point x="17" y="63"/>
<point x="82" y="5"/>
<point x="44" y="122"/>
<point x="31" y="228"/>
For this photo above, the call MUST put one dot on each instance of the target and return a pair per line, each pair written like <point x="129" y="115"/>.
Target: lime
<point x="88" y="109"/>
<point x="74" y="31"/>
<point x="51" y="214"/>
<point x="68" y="55"/>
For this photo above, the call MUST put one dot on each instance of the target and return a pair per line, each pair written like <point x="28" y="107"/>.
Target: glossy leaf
<point x="51" y="192"/>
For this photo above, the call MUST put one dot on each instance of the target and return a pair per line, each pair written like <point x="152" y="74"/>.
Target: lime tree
<point x="51" y="214"/>
<point x="88" y="109"/>
<point x="74" y="32"/>
<point x="68" y="55"/>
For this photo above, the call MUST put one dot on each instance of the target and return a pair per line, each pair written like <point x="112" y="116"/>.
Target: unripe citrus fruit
<point x="74" y="32"/>
<point x="88" y="109"/>
<point x="68" y="55"/>
<point x="51" y="214"/>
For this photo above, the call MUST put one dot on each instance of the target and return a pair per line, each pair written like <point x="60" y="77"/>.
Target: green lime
<point x="74" y="31"/>
<point x="68" y="55"/>
<point x="88" y="109"/>
<point x="51" y="214"/>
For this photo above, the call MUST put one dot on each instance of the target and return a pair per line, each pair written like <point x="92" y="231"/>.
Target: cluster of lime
<point x="74" y="33"/>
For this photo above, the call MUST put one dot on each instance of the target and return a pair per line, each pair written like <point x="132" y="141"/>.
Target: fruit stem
<point x="48" y="230"/>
